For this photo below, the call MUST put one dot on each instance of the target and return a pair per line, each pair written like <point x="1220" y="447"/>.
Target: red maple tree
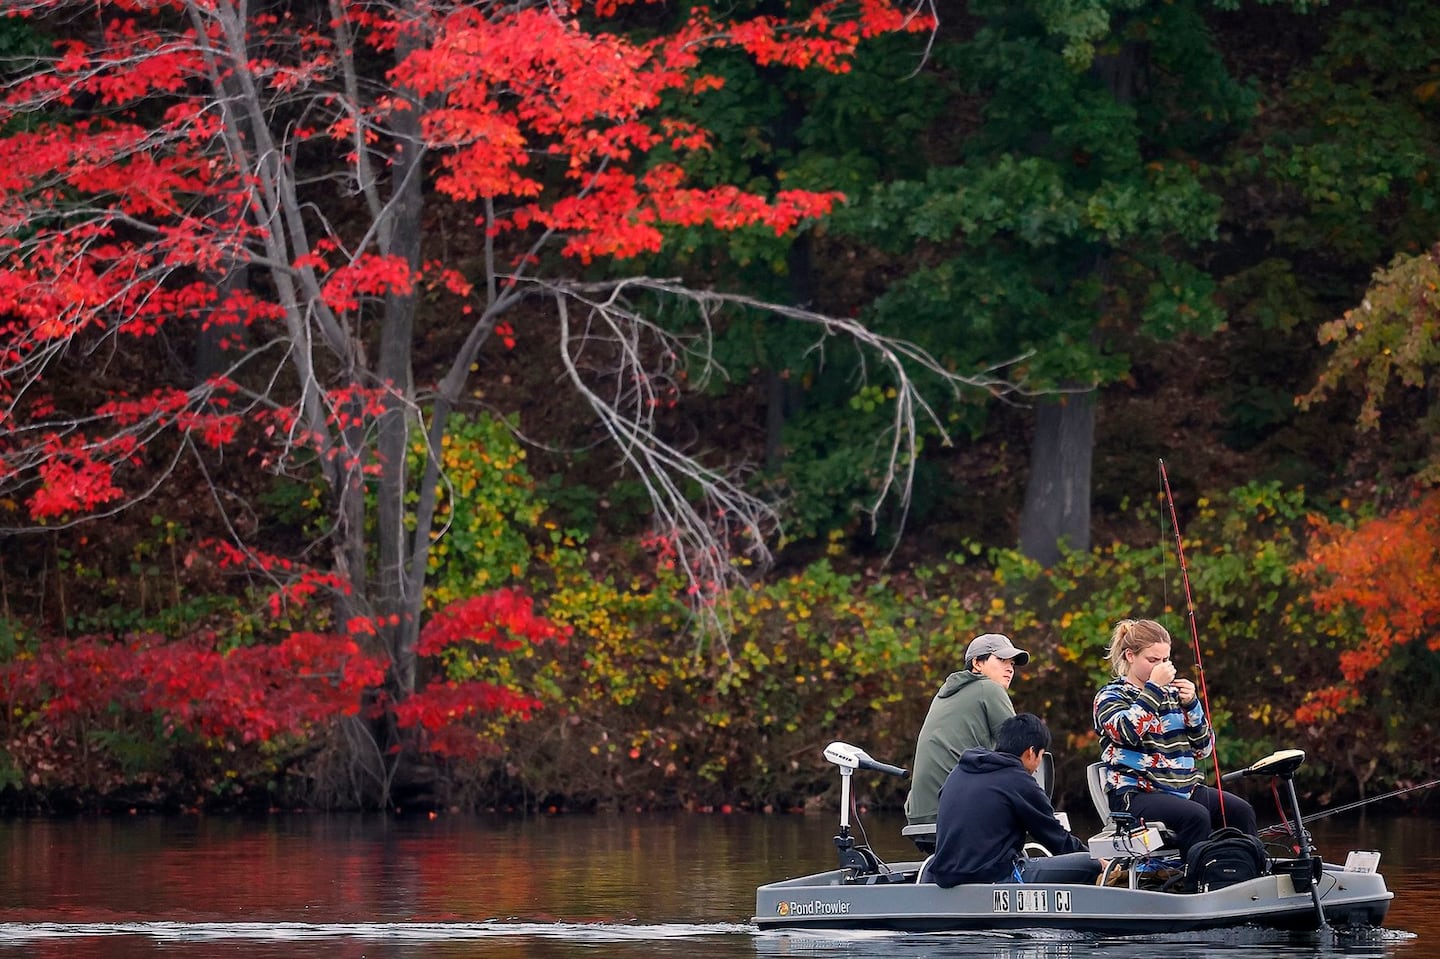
<point x="269" y="180"/>
<point x="1383" y="571"/>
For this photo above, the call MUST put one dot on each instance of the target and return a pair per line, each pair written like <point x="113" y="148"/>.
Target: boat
<point x="1142" y="890"/>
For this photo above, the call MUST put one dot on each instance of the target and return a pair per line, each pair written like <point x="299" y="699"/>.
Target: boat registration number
<point x="1030" y="900"/>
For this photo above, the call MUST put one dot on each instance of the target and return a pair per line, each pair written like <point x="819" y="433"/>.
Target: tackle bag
<point x="1227" y="857"/>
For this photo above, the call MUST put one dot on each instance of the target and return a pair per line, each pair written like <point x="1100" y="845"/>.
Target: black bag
<point x="1227" y="857"/>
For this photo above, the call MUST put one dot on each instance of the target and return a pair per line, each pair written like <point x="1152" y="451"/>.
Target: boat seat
<point x="1095" y="779"/>
<point x="1162" y="848"/>
<point x="923" y="835"/>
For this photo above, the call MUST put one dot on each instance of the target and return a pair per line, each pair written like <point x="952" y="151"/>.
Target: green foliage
<point x="834" y="464"/>
<point x="487" y="507"/>
<point x="146" y="582"/>
<point x="10" y="777"/>
<point x="1352" y="148"/>
<point x="807" y="656"/>
<point x="780" y="129"/>
<point x="12" y="638"/>
<point x="822" y="654"/>
<point x="134" y="755"/>
<point x="1066" y="220"/>
<point x="293" y="504"/>
<point x="622" y="506"/>
<point x="1272" y="315"/>
<point x="639" y="714"/>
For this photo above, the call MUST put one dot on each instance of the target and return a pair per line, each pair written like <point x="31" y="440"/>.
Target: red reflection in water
<point x="321" y="870"/>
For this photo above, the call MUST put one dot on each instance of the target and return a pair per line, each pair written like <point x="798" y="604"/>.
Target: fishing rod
<point x="1194" y="633"/>
<point x="1357" y="804"/>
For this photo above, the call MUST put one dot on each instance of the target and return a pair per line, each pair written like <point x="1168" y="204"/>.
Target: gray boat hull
<point x="896" y="902"/>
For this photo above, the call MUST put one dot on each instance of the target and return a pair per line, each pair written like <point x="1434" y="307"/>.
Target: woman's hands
<point x="1163" y="675"/>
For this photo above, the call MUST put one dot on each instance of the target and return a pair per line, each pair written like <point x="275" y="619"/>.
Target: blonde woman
<point x="1153" y="729"/>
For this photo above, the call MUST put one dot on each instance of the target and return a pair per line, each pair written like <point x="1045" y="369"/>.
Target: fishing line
<point x="1365" y="802"/>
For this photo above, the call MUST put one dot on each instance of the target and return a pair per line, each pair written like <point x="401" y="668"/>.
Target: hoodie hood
<point x="958" y="681"/>
<point x="989" y="761"/>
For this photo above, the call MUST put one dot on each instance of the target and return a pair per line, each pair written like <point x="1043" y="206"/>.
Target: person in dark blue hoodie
<point x="990" y="802"/>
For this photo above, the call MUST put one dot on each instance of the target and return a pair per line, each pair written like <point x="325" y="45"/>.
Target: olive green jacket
<point x="966" y="713"/>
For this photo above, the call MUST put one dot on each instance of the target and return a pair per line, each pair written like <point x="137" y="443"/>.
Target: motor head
<point x="850" y="758"/>
<point x="1282" y="763"/>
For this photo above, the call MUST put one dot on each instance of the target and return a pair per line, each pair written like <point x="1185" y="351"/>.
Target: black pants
<point x="1068" y="867"/>
<point x="1193" y="819"/>
<point x="1071" y="867"/>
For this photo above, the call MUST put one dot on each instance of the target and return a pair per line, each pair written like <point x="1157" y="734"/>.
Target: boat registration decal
<point x="1029" y="900"/>
<point x="816" y="907"/>
<point x="1032" y="900"/>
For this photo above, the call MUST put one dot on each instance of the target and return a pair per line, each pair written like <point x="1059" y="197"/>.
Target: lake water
<point x="461" y="887"/>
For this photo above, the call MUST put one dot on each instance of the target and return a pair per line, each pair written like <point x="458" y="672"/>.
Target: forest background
<point x="500" y="407"/>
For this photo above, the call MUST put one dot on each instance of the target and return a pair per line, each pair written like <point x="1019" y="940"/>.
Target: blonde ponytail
<point x="1133" y="635"/>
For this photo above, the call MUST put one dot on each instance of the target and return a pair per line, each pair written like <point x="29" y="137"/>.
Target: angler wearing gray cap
<point x="966" y="713"/>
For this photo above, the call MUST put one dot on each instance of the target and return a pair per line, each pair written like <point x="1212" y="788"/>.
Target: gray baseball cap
<point x="994" y="644"/>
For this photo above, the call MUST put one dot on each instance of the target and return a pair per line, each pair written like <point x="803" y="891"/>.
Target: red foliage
<point x="1384" y="570"/>
<point x="505" y="619"/>
<point x="168" y="152"/>
<point x="73" y="481"/>
<point x="247" y="694"/>
<point x="116" y="222"/>
<point x="259" y="693"/>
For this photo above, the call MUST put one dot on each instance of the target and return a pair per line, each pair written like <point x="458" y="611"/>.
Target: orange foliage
<point x="1383" y="570"/>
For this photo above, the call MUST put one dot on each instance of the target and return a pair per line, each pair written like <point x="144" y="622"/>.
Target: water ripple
<point x="14" y="932"/>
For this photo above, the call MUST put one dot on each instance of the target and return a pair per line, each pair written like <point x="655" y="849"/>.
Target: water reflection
<point x="473" y="940"/>
<point x="653" y="887"/>
<point x="1239" y="944"/>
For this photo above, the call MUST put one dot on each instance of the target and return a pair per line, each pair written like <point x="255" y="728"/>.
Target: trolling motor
<point x="1282" y="764"/>
<point x="854" y="860"/>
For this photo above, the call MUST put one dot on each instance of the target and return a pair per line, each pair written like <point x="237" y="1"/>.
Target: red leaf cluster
<point x="128" y="184"/>
<point x="504" y="619"/>
<point x="263" y="692"/>
<point x="248" y="694"/>
<point x="1383" y="569"/>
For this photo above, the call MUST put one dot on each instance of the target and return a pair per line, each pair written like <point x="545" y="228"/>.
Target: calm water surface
<point x="633" y="887"/>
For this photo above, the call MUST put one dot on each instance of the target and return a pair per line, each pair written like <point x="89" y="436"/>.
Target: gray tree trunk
<point x="398" y="600"/>
<point x="1057" y="498"/>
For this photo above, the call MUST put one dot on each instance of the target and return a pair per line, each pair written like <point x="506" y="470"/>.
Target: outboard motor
<point x="1308" y="866"/>
<point x="855" y="860"/>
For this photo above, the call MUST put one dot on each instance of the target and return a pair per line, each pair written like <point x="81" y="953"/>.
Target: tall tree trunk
<point x="399" y="603"/>
<point x="1057" y="499"/>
